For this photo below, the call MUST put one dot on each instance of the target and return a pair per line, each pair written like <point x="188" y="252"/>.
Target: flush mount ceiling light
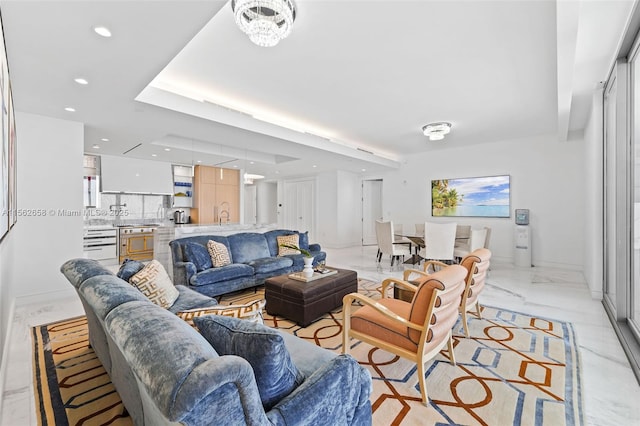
<point x="102" y="31"/>
<point x="266" y="22"/>
<point x="436" y="131"/>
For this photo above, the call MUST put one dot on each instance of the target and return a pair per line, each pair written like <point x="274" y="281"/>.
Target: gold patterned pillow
<point x="219" y="254"/>
<point x="153" y="282"/>
<point x="251" y="311"/>
<point x="293" y="239"/>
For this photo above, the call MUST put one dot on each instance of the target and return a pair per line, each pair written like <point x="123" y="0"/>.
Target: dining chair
<point x="477" y="240"/>
<point x="477" y="266"/>
<point x="439" y="240"/>
<point x="384" y="235"/>
<point x="488" y="237"/>
<point x="398" y="236"/>
<point x="415" y="330"/>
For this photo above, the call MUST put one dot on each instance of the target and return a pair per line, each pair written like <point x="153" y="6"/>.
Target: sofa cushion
<point x="219" y="254"/>
<point x="248" y="246"/>
<point x="191" y="299"/>
<point x="129" y="268"/>
<point x="291" y="240"/>
<point x="154" y="283"/>
<point x="198" y="255"/>
<point x="270" y="264"/>
<point x="251" y="311"/>
<point x="263" y="347"/>
<point x="216" y="275"/>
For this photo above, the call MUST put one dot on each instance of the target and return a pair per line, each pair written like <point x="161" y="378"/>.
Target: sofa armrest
<point x="220" y="388"/>
<point x="337" y="393"/>
<point x="182" y="273"/>
<point x="315" y="247"/>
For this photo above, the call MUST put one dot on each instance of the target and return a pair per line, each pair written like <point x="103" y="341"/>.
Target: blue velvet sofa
<point x="254" y="258"/>
<point x="167" y="373"/>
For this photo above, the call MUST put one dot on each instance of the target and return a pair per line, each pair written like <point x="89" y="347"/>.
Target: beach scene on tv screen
<point x="479" y="196"/>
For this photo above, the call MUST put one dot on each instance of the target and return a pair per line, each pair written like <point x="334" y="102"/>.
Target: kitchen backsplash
<point x="131" y="207"/>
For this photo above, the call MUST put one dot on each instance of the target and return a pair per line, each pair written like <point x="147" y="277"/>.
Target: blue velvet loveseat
<point x="167" y="373"/>
<point x="254" y="258"/>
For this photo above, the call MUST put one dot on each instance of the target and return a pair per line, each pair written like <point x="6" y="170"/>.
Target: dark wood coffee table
<point x="305" y="302"/>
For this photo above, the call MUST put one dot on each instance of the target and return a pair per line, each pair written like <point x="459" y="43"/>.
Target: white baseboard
<point x="45" y="297"/>
<point x="5" y="351"/>
<point x="597" y="295"/>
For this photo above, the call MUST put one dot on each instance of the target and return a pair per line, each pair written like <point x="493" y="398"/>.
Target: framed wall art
<point x="487" y="196"/>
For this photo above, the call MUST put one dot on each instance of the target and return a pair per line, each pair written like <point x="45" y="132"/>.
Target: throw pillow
<point x="263" y="347"/>
<point x="304" y="240"/>
<point x="129" y="268"/>
<point x="218" y="253"/>
<point x="251" y="312"/>
<point x="154" y="283"/>
<point x="292" y="239"/>
<point x="198" y="255"/>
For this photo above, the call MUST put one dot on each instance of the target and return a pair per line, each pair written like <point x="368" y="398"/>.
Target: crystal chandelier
<point x="266" y="22"/>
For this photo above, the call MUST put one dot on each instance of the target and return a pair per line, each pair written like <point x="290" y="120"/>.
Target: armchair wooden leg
<point x="422" y="382"/>
<point x="346" y="326"/>
<point x="463" y="311"/>
<point x="452" y="355"/>
<point x="478" y="310"/>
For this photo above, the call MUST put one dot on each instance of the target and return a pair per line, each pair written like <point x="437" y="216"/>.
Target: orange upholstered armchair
<point x="415" y="330"/>
<point x="476" y="264"/>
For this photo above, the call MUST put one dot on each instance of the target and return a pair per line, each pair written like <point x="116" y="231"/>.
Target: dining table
<point x="418" y="240"/>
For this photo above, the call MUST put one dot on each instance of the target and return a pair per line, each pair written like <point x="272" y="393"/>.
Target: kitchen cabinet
<point x="216" y="195"/>
<point x="132" y="175"/>
<point x="182" y="186"/>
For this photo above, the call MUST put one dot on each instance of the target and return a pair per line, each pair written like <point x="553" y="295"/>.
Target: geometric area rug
<point x="515" y="369"/>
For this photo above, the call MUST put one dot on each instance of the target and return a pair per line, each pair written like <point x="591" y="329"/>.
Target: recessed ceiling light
<point x="81" y="81"/>
<point x="364" y="170"/>
<point x="96" y="146"/>
<point x="167" y="149"/>
<point x="235" y="166"/>
<point x="199" y="161"/>
<point x="251" y="162"/>
<point x="277" y="172"/>
<point x="104" y="140"/>
<point x="103" y="31"/>
<point x="154" y="155"/>
<point x="70" y="109"/>
<point x="314" y="166"/>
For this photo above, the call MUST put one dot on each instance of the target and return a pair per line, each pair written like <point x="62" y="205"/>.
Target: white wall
<point x="593" y="226"/>
<point x="267" y="202"/>
<point x="326" y="205"/>
<point x="49" y="179"/>
<point x="6" y="294"/>
<point x="339" y="209"/>
<point x="547" y="177"/>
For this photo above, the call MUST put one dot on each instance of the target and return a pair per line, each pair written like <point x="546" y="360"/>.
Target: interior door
<point x="299" y="206"/>
<point x="371" y="210"/>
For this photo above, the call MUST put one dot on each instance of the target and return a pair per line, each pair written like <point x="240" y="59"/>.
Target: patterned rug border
<point x="576" y="351"/>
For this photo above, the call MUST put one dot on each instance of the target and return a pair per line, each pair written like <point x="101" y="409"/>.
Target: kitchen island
<point x="164" y="234"/>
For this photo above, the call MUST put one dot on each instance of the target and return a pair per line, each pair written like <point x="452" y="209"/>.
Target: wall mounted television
<point x="486" y="196"/>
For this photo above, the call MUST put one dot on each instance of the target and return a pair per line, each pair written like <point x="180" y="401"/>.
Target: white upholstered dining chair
<point x="476" y="240"/>
<point x="384" y="234"/>
<point x="439" y="240"/>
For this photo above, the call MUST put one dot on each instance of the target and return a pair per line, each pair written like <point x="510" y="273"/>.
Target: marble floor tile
<point x="610" y="390"/>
